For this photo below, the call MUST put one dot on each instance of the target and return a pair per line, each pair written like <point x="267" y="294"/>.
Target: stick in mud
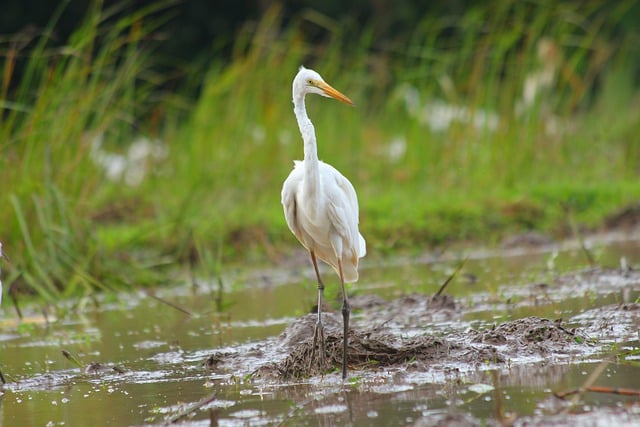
<point x="576" y="232"/>
<point x="71" y="358"/>
<point x="598" y="389"/>
<point x="169" y="303"/>
<point x="589" y="381"/>
<point x="199" y="404"/>
<point x="451" y="277"/>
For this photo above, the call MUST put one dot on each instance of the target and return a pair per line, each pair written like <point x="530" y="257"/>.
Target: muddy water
<point x="149" y="356"/>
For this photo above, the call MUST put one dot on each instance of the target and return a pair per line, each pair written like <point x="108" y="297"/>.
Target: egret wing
<point x="289" y="202"/>
<point x="343" y="208"/>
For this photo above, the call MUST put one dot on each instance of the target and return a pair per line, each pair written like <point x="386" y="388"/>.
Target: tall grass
<point x="66" y="227"/>
<point x="97" y="84"/>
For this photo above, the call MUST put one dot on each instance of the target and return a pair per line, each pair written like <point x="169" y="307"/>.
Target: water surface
<point x="152" y="355"/>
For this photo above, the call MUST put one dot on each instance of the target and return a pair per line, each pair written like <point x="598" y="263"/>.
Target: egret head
<point x="309" y="81"/>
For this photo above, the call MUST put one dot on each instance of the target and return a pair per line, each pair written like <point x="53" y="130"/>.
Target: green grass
<point x="69" y="230"/>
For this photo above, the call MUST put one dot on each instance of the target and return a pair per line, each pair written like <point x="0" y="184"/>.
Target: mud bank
<point x="398" y="334"/>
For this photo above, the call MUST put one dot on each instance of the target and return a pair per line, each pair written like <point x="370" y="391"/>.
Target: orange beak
<point x="334" y="93"/>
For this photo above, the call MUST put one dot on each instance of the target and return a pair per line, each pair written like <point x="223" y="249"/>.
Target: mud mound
<point x="611" y="323"/>
<point x="378" y="347"/>
<point x="526" y="331"/>
<point x="370" y="349"/>
<point x="531" y="335"/>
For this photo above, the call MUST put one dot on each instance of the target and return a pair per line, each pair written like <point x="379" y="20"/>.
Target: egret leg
<point x="318" y="331"/>
<point x="346" y="310"/>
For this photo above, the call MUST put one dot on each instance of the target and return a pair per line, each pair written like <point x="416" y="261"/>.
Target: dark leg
<point x="318" y="332"/>
<point x="345" y="323"/>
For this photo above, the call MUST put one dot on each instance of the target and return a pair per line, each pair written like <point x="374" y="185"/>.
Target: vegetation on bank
<point x="511" y="117"/>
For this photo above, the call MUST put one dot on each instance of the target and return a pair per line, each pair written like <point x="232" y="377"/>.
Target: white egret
<point x="321" y="208"/>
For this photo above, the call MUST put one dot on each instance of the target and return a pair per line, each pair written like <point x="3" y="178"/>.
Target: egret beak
<point x="330" y="92"/>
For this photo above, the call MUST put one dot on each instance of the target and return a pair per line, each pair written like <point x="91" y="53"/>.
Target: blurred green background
<point x="138" y="138"/>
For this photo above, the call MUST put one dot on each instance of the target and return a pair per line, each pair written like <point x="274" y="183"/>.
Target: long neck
<point x="311" y="172"/>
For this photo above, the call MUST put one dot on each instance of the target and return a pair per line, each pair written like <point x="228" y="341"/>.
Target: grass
<point x="69" y="229"/>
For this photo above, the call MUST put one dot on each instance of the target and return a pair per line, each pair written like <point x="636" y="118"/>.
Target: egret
<point x="321" y="208"/>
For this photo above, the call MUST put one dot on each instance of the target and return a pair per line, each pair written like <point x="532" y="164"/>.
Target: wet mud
<point x="383" y="347"/>
<point x="396" y="339"/>
<point x="398" y="334"/>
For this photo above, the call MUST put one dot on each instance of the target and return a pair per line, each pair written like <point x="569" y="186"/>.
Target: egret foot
<point x="318" y="343"/>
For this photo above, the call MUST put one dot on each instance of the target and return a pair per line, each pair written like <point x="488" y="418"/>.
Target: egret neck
<point x="311" y="171"/>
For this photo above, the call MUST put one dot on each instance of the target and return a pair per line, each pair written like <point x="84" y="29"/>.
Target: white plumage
<point x="327" y="225"/>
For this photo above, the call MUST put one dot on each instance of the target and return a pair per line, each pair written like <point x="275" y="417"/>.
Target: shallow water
<point x="158" y="351"/>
